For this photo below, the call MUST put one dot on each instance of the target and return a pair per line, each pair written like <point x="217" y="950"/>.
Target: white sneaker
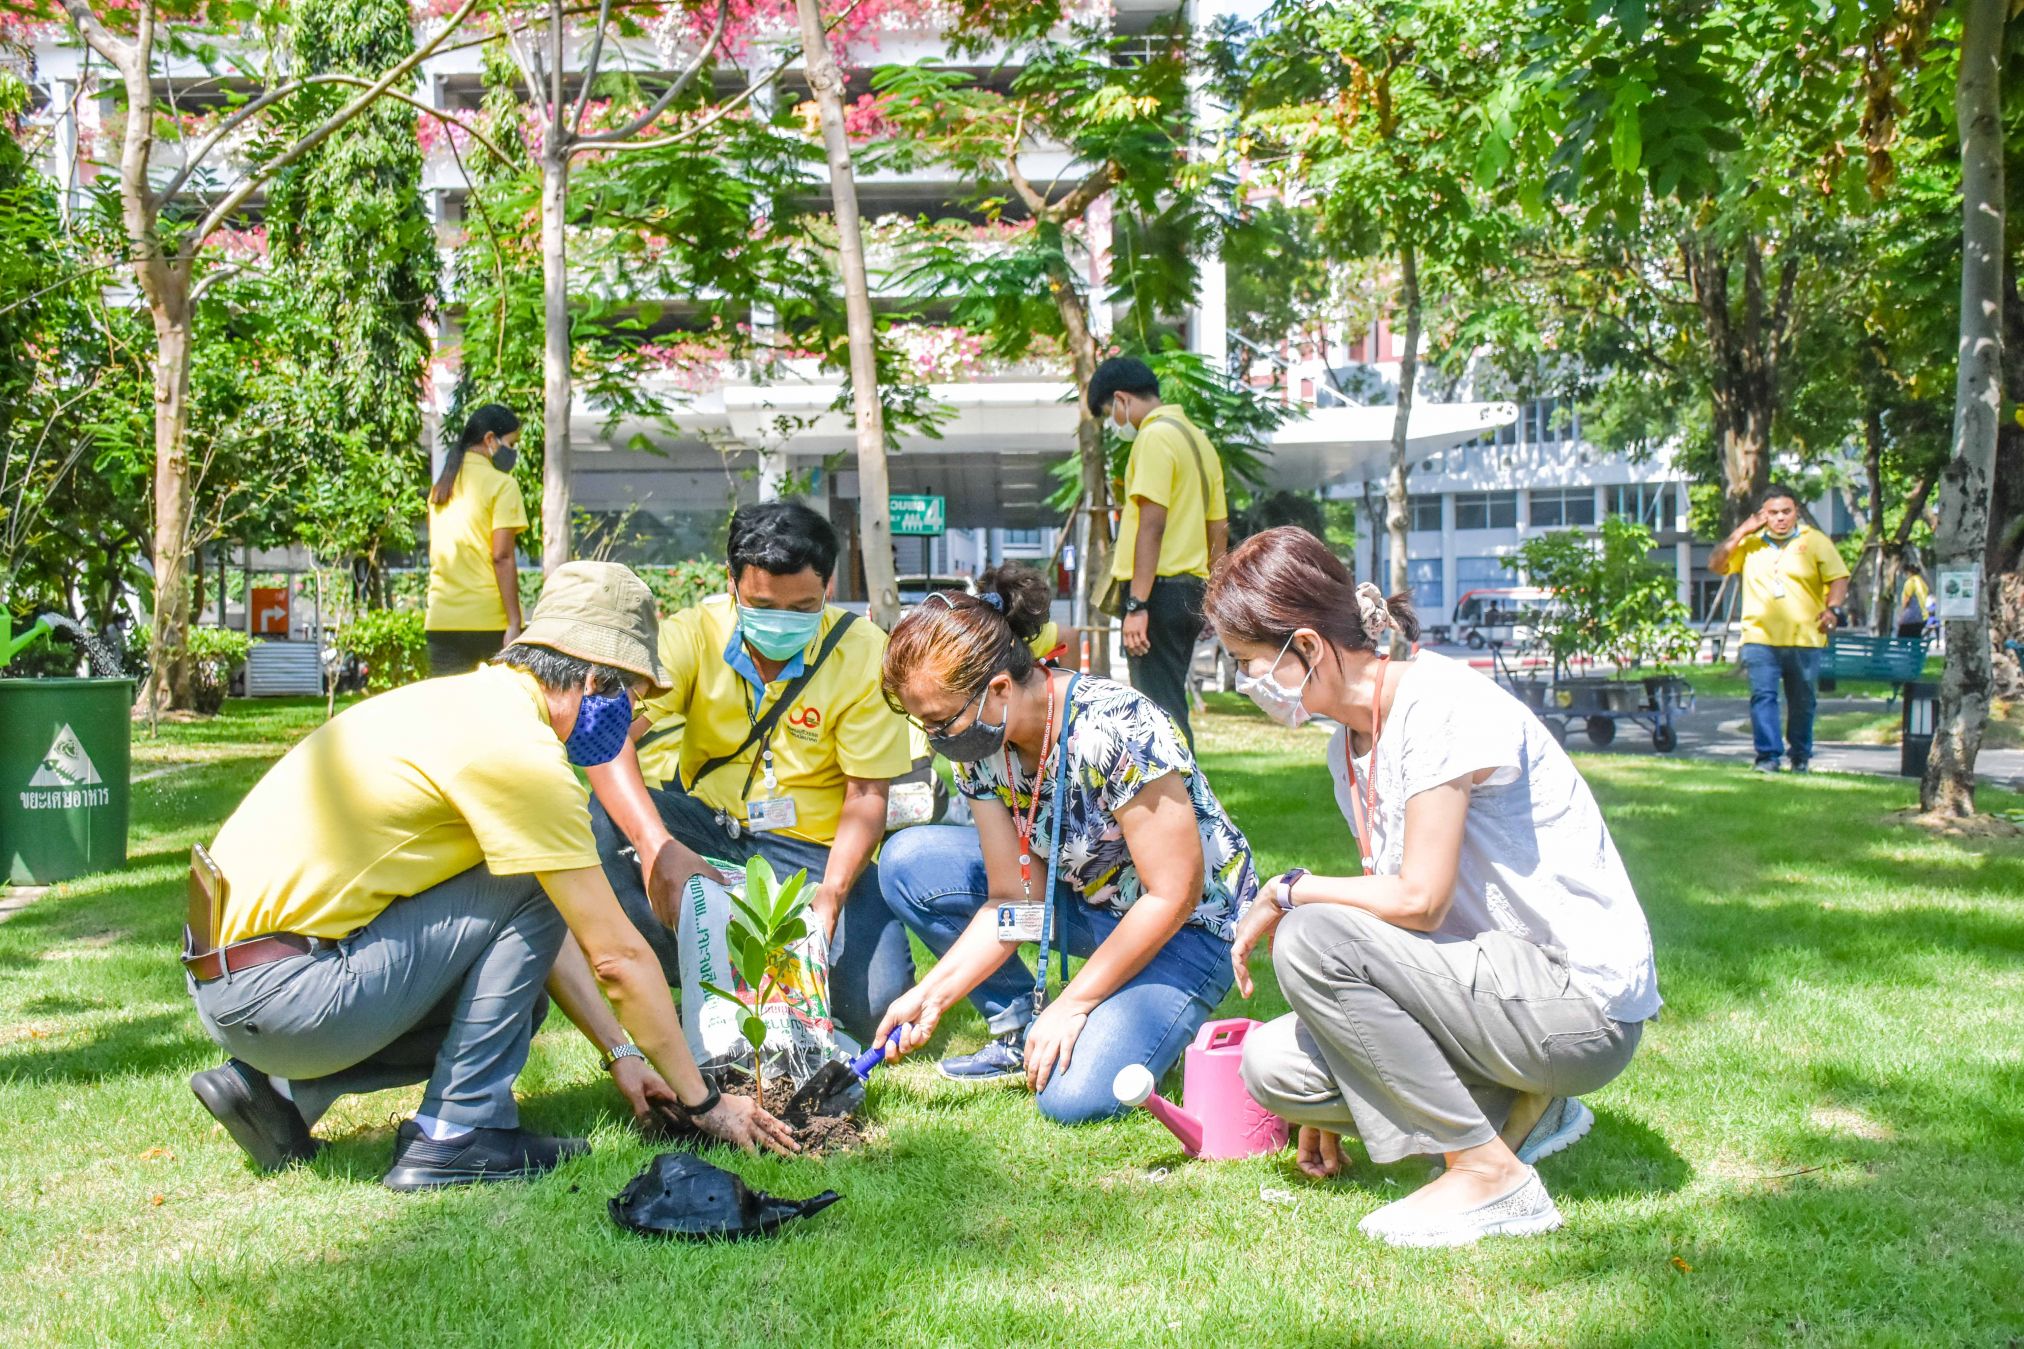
<point x="1524" y="1212"/>
<point x="1565" y="1122"/>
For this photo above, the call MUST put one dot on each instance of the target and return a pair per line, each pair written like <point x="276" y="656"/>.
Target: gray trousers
<point x="445" y="987"/>
<point x="1417" y="1044"/>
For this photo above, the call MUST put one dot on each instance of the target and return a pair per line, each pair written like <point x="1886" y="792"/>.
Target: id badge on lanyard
<point x="769" y="811"/>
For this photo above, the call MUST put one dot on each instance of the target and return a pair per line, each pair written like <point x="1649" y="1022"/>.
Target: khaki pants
<point x="1420" y="1044"/>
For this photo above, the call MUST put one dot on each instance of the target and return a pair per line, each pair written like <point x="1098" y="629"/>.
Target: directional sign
<point x="920" y="515"/>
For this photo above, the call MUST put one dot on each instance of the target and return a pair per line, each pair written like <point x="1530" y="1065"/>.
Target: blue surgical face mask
<point x="602" y="723"/>
<point x="778" y="634"/>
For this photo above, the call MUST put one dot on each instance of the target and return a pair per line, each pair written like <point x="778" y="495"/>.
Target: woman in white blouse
<point x="1489" y="964"/>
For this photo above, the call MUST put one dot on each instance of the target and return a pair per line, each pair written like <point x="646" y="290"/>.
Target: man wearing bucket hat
<point x="387" y="903"/>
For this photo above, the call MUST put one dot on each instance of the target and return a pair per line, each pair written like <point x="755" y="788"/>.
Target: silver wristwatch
<point x="622" y="1051"/>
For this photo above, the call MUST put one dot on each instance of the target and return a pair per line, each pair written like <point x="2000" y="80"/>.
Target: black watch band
<point x="709" y="1102"/>
<point x="1134" y="605"/>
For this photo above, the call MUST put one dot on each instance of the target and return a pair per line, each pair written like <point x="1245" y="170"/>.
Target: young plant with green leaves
<point x="1612" y="602"/>
<point x="764" y="926"/>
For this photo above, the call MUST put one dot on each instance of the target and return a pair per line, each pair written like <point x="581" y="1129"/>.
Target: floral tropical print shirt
<point x="1119" y="741"/>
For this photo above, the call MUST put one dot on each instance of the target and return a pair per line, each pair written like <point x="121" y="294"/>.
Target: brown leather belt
<point x="246" y="955"/>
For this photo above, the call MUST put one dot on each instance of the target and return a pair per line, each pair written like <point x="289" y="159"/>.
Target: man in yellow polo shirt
<point x="389" y="899"/>
<point x="773" y="740"/>
<point x="1793" y="581"/>
<point x="1176" y="524"/>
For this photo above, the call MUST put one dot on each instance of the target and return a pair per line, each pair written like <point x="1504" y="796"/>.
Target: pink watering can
<point x="1221" y="1120"/>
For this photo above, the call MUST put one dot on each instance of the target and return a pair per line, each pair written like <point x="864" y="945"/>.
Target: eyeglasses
<point x="941" y="729"/>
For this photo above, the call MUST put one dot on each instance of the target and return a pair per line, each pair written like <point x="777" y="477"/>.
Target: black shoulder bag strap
<point x="763" y="726"/>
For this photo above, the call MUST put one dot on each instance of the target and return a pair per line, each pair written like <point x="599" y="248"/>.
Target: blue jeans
<point x="1797" y="668"/>
<point x="934" y="882"/>
<point x="870" y="962"/>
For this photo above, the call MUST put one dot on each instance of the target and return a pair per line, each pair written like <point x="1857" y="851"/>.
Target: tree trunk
<point x="1093" y="574"/>
<point x="1743" y="358"/>
<point x="1962" y="539"/>
<point x="168" y="683"/>
<point x="556" y="391"/>
<point x="1395" y="516"/>
<point x="1880" y="605"/>
<point x="874" y="496"/>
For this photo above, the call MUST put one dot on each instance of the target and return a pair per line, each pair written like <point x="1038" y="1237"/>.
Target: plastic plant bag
<point x="801" y="1030"/>
<point x="681" y="1195"/>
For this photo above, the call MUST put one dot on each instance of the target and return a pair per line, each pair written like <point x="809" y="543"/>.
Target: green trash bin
<point x="65" y="754"/>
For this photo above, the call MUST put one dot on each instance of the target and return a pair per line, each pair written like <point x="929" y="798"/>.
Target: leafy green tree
<point x="1612" y="601"/>
<point x="1120" y="109"/>
<point x="356" y="251"/>
<point x="1370" y="134"/>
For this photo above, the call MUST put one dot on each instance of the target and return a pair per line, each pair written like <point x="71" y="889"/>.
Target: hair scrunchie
<point x="1373" y="610"/>
<point x="994" y="599"/>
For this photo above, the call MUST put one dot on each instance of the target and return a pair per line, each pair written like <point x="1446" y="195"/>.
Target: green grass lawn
<point x="1818" y="1141"/>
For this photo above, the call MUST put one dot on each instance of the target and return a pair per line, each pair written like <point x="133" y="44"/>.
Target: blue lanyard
<point x="1054" y="852"/>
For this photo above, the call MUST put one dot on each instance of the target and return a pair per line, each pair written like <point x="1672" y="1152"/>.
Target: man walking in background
<point x="1793" y="580"/>
<point x="1176" y="524"/>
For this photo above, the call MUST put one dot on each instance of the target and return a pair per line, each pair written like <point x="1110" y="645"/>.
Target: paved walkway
<point x="1719" y="728"/>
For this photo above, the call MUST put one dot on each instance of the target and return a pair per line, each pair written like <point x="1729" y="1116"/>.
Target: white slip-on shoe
<point x="1524" y="1212"/>
<point x="1565" y="1123"/>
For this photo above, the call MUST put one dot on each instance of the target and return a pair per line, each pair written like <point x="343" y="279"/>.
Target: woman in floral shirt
<point x="1150" y="878"/>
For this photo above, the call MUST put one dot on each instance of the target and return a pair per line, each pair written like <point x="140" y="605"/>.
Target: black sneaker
<point x="1802" y="766"/>
<point x="1767" y="766"/>
<point x="421" y="1163"/>
<point x="260" y="1119"/>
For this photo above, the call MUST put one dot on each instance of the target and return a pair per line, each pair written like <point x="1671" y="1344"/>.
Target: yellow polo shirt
<point x="399" y="793"/>
<point x="1785" y="586"/>
<point x="463" y="588"/>
<point x="1162" y="470"/>
<point x="839" y="727"/>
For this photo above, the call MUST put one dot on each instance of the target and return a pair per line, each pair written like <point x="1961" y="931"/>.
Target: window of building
<point x="1423" y="575"/>
<point x="1473" y="573"/>
<point x="1486" y="510"/>
<point x="1025" y="538"/>
<point x="1648" y="503"/>
<point x="1562" y="507"/>
<point x="1426" y="514"/>
<point x="1701" y="597"/>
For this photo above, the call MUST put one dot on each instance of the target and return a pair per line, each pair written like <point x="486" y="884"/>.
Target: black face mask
<point x="979" y="740"/>
<point x="505" y="457"/>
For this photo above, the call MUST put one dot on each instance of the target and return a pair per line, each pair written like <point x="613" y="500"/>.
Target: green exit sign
<point x="920" y="515"/>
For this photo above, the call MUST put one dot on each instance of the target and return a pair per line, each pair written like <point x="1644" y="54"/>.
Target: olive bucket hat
<point x="599" y="612"/>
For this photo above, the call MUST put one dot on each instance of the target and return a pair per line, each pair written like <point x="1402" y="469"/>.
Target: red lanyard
<point x="1025" y="826"/>
<point x="1364" y="794"/>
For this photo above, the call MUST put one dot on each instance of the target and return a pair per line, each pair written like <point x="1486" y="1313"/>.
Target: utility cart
<point x="1599" y="702"/>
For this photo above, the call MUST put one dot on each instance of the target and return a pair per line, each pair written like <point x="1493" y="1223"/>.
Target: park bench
<point x="1853" y="656"/>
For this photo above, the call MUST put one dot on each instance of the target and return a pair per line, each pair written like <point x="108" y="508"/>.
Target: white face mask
<point x="1285" y="706"/>
<point x="1125" y="430"/>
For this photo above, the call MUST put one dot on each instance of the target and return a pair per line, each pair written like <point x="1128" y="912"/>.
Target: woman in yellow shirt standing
<point x="475" y="519"/>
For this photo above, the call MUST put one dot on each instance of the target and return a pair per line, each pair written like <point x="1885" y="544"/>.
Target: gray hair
<point x="560" y="672"/>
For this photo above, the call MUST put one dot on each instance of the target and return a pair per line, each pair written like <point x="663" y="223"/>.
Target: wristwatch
<point x="622" y="1051"/>
<point x="1286" y="883"/>
<point x="708" y="1103"/>
<point x="1134" y="605"/>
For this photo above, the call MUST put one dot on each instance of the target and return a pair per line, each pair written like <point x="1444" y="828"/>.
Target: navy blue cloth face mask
<point x="602" y="723"/>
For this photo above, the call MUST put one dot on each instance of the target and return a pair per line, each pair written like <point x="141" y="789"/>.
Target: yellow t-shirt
<point x="1785" y="587"/>
<point x="840" y="727"/>
<point x="397" y="794"/>
<point x="463" y="588"/>
<point x="1162" y="470"/>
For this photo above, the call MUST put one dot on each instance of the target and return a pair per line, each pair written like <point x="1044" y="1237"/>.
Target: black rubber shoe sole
<point x="231" y="1101"/>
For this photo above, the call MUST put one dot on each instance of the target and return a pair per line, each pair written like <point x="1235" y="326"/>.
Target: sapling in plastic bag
<point x="755" y="975"/>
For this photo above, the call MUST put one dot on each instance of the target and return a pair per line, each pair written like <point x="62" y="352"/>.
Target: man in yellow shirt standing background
<point x="1176" y="524"/>
<point x="1793" y="581"/>
<point x="386" y="905"/>
<point x="772" y="739"/>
